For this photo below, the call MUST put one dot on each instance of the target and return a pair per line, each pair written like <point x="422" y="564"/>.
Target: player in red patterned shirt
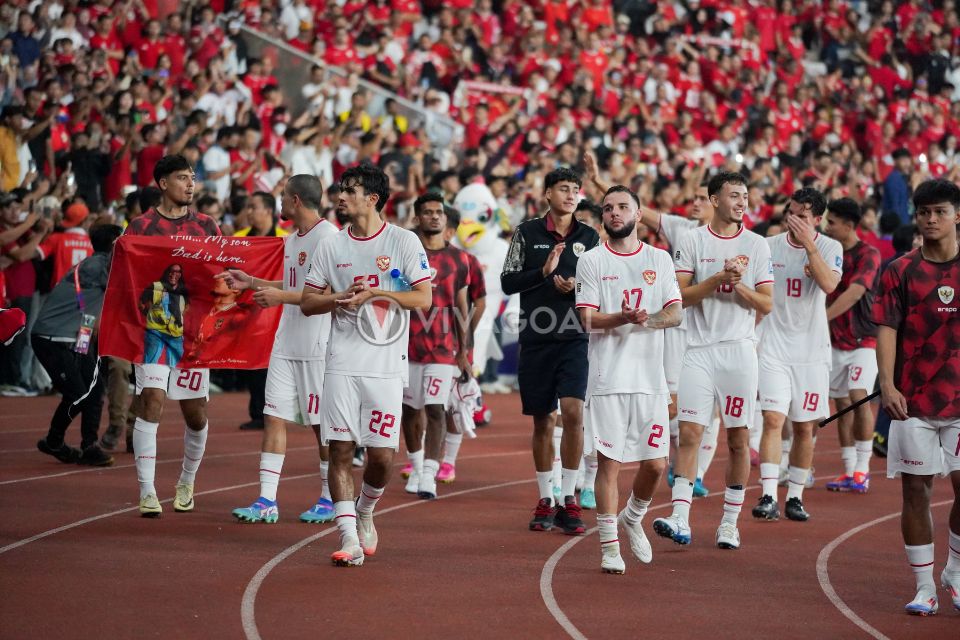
<point x="918" y="349"/>
<point x="435" y="353"/>
<point x="476" y="304"/>
<point x="854" y="369"/>
<point x="155" y="382"/>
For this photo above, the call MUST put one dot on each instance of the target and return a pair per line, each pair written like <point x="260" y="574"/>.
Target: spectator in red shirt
<point x="150" y="154"/>
<point x="68" y="247"/>
<point x="151" y="46"/>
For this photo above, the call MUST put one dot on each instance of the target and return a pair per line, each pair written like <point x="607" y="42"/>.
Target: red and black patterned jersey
<point x="153" y="223"/>
<point x="433" y="337"/>
<point x="477" y="288"/>
<point x="921" y="300"/>
<point x="861" y="264"/>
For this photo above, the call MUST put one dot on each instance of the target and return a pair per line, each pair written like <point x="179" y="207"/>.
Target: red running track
<point x="76" y="560"/>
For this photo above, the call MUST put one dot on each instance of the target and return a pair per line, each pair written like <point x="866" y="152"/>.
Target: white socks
<point x="430" y="468"/>
<point x="590" y="471"/>
<point x="452" y="443"/>
<point x="732" y="503"/>
<point x="271" y="464"/>
<point x="864" y="449"/>
<point x="682" y="497"/>
<point x="920" y="558"/>
<point x="796" y="480"/>
<point x="769" y="476"/>
<point x="953" y="554"/>
<point x="568" y="482"/>
<point x="324" y="472"/>
<point x="607" y="528"/>
<point x="194" y="444"/>
<point x="345" y="516"/>
<point x="544" y="484"/>
<point x="849" y="457"/>
<point x="145" y="453"/>
<point x="636" y="509"/>
<point x="416" y="459"/>
<point x="369" y="495"/>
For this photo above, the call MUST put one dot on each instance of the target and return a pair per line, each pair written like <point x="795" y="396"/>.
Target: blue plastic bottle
<point x="400" y="281"/>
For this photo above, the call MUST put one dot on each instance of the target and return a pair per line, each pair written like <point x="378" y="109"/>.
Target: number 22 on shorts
<point x="385" y="422"/>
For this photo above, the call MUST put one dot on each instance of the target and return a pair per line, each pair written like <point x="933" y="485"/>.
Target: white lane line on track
<point x="78" y="523"/>
<point x="823" y="574"/>
<point x="215" y="456"/>
<point x="248" y="604"/>
<point x="170" y="439"/>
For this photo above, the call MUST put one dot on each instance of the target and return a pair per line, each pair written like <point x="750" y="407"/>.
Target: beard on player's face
<point x="431" y="232"/>
<point x="625" y="231"/>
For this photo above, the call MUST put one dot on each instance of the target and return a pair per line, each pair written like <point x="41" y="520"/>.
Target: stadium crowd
<point x="858" y="99"/>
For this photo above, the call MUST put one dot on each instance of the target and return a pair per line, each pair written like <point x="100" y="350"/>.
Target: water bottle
<point x="400" y="282"/>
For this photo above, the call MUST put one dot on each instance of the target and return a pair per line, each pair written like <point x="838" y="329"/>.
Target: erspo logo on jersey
<point x="381" y="321"/>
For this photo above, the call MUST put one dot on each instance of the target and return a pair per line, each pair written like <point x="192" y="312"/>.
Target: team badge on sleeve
<point x="650" y="276"/>
<point x="946" y="294"/>
<point x="838" y="261"/>
<point x="383" y="262"/>
<point x="423" y="261"/>
<point x="302" y="258"/>
<point x="578" y="248"/>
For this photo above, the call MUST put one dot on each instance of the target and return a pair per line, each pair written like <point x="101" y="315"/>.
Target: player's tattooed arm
<point x="668" y="317"/>
<point x="890" y="397"/>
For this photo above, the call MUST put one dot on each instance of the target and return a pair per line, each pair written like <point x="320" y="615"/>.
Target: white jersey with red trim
<point x="796" y="331"/>
<point x="371" y="341"/>
<point x="301" y="337"/>
<point x="672" y="229"/>
<point x="628" y="359"/>
<point x="721" y="317"/>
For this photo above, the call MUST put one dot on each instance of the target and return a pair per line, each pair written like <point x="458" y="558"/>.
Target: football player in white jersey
<point x="369" y="276"/>
<point x="627" y="294"/>
<point x="295" y="373"/>
<point x="672" y="228"/>
<point x="726" y="278"/>
<point x="795" y="349"/>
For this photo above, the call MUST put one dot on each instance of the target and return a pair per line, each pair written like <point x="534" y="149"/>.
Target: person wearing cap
<point x="70" y="243"/>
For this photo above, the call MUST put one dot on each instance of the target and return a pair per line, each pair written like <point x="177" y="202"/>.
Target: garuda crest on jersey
<point x="649" y="276"/>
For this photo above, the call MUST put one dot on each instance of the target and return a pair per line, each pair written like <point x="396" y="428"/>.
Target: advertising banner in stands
<point x="165" y="305"/>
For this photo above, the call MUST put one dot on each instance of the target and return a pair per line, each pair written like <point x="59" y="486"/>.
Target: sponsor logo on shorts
<point x="649" y="276"/>
<point x="912" y="463"/>
<point x="605" y="443"/>
<point x="302" y="258"/>
<point x="688" y="412"/>
<point x="383" y="263"/>
<point x="270" y="405"/>
<point x="339" y="429"/>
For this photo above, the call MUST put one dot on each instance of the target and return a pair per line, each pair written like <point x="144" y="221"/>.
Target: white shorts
<point x="627" y="427"/>
<point x="797" y="391"/>
<point x="361" y="410"/>
<point x="293" y="390"/>
<point x="923" y="446"/>
<point x="180" y="384"/>
<point x="855" y="369"/>
<point x="724" y="374"/>
<point x="674" y="346"/>
<point x="429" y="384"/>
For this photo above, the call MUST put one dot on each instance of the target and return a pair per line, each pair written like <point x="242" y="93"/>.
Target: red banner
<point x="164" y="306"/>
